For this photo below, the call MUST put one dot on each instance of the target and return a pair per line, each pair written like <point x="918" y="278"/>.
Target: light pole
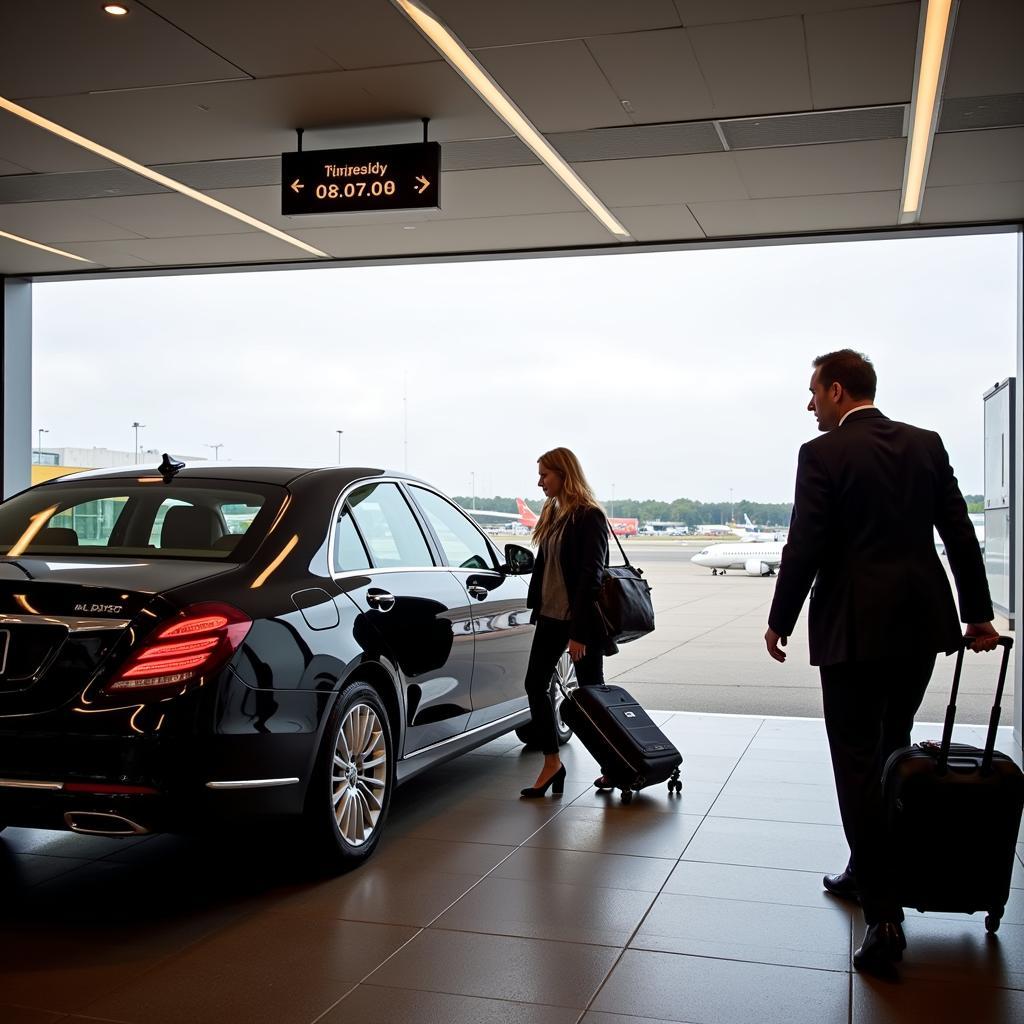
<point x="339" y="433"/>
<point x="137" y="427"/>
<point x="472" y="484"/>
<point x="611" y="510"/>
<point x="39" y="450"/>
<point x="732" y="509"/>
<point x="216" y="449"/>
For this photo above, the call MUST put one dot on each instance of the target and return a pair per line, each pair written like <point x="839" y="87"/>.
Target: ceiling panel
<point x="558" y="86"/>
<point x="999" y="202"/>
<point x="967" y="158"/>
<point x="862" y="57"/>
<point x="302" y="35"/>
<point x="38" y="151"/>
<point x="533" y="21"/>
<point x="985" y="59"/>
<point x="16" y="258"/>
<point x="654" y="223"/>
<point x="822" y="170"/>
<point x="755" y="67"/>
<point x="80" y="49"/>
<point x="656" y="72"/>
<point x="59" y="224"/>
<point x="811" y="213"/>
<point x="667" y="180"/>
<point x="6" y="167"/>
<point x="252" y="247"/>
<point x="108" y="254"/>
<point x="480" y="235"/>
<point x="710" y="12"/>
<point x="252" y="118"/>
<point x="162" y="216"/>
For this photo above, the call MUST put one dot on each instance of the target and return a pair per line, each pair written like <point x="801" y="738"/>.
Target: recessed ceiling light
<point x="147" y="172"/>
<point x="934" y="33"/>
<point x="45" y="248"/>
<point x="459" y="57"/>
<point x="118" y="10"/>
<point x="408" y="227"/>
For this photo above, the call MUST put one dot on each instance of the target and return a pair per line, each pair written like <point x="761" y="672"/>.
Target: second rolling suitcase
<point x="953" y="813"/>
<point x="632" y="751"/>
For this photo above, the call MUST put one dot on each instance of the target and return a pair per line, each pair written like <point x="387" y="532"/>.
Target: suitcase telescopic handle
<point x="1006" y="643"/>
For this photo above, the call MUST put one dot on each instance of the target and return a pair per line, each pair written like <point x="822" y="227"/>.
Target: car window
<point x="349" y="552"/>
<point x="462" y="543"/>
<point x="389" y="528"/>
<point x="85" y="523"/>
<point x="143" y="517"/>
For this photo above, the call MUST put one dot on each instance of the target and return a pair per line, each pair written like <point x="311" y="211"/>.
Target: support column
<point x="15" y="385"/>
<point x="1018" y="510"/>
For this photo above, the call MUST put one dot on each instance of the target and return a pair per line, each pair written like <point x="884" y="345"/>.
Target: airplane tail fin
<point x="526" y="514"/>
<point x="746" y="520"/>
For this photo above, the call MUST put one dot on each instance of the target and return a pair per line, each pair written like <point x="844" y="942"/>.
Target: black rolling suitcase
<point x="632" y="751"/>
<point x="953" y="812"/>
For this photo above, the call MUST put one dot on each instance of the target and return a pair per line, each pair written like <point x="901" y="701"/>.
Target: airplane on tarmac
<point x="751" y="533"/>
<point x="753" y="559"/>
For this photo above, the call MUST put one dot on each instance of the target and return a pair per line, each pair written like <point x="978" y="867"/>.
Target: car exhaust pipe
<point x="100" y="823"/>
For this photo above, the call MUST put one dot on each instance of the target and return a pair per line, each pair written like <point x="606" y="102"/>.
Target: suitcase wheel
<point x="674" y="783"/>
<point x="627" y="796"/>
<point x="992" y="919"/>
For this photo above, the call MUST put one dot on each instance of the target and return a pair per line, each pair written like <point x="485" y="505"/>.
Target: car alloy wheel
<point x="360" y="775"/>
<point x="351" y="788"/>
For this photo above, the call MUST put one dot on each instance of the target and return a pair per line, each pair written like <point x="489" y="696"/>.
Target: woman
<point x="571" y="536"/>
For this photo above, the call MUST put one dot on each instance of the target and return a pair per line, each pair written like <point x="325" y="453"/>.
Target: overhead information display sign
<point x="357" y="180"/>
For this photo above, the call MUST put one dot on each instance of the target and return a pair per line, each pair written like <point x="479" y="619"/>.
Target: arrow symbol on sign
<point x="424" y="184"/>
<point x="297" y="186"/>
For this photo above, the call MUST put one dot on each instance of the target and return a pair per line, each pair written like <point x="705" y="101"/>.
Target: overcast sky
<point x="678" y="374"/>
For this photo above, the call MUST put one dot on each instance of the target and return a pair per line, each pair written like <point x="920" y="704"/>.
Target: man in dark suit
<point x="868" y="492"/>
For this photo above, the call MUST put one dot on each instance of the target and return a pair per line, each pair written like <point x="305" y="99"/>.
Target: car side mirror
<point x="519" y="560"/>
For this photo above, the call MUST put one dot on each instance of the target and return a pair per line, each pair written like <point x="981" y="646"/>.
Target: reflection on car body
<point x="189" y="647"/>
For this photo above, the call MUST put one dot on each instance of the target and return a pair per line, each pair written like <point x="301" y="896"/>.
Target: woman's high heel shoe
<point x="556" y="782"/>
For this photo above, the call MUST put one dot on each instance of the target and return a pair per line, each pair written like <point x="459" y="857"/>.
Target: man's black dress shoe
<point x="881" y="948"/>
<point x="844" y="885"/>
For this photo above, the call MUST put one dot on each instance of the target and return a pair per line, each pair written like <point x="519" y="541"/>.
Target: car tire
<point x="354" y="774"/>
<point x="565" y="671"/>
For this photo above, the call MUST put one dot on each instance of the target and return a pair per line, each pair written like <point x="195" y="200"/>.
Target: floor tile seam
<point x="778" y="821"/>
<point x="826" y="909"/>
<point x="750" y="959"/>
<point x="647" y="912"/>
<point x="562" y="941"/>
<point x="464" y="995"/>
<point x="324" y="1013"/>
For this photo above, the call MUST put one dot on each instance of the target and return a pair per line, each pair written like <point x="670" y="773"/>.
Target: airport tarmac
<point x="707" y="653"/>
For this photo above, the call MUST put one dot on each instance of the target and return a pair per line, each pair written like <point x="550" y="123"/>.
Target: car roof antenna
<point x="169" y="468"/>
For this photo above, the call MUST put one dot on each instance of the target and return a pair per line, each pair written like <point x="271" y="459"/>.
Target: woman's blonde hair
<point x="575" y="493"/>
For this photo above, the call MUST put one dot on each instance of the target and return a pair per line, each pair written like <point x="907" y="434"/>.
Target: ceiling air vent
<point x="968" y="112"/>
<point x="814" y="128"/>
<point x="478" y="154"/>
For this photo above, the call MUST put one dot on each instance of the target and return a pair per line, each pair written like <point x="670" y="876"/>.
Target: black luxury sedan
<point x="185" y="647"/>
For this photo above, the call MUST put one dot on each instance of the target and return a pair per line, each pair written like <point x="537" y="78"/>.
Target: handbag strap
<point x="607" y="557"/>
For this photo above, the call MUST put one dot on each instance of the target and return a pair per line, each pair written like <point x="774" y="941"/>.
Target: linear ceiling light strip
<point x="459" y="57"/>
<point x="146" y="172"/>
<point x="45" y="248"/>
<point x="937" y="18"/>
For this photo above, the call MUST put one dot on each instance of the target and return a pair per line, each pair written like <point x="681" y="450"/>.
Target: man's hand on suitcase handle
<point x="983" y="636"/>
<point x="772" y="641"/>
<point x="576" y="650"/>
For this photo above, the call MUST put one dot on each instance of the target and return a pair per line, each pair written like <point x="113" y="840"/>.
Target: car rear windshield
<point x="209" y="519"/>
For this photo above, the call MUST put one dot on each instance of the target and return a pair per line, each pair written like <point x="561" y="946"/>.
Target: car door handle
<point x="381" y="600"/>
<point x="475" y="590"/>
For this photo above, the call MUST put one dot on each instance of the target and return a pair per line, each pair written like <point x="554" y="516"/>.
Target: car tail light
<point x="196" y="643"/>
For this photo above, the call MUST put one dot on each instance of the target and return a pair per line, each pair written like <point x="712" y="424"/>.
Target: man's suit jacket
<point x="867" y="496"/>
<point x="583" y="556"/>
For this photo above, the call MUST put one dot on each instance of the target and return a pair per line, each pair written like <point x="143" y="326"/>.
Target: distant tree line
<point x="685" y="510"/>
<point x="682" y="510"/>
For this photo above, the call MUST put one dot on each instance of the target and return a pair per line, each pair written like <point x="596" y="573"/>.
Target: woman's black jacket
<point x="583" y="554"/>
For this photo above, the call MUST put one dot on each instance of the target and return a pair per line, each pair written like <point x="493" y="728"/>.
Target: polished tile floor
<point x="480" y="908"/>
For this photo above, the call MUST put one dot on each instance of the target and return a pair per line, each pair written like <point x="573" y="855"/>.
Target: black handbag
<point x="624" y="601"/>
